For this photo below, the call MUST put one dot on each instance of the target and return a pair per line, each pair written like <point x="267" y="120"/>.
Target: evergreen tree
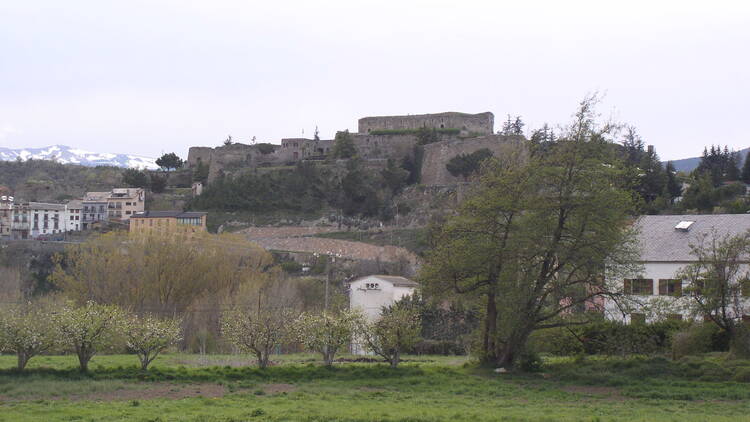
<point x="674" y="187"/>
<point x="746" y="169"/>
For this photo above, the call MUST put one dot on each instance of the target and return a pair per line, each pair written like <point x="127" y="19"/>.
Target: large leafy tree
<point x="718" y="282"/>
<point x="169" y="161"/>
<point x="532" y="241"/>
<point x="135" y="178"/>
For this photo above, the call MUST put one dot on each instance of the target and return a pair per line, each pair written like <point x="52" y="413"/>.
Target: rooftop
<point x="168" y="214"/>
<point x="668" y="237"/>
<point x="397" y="281"/>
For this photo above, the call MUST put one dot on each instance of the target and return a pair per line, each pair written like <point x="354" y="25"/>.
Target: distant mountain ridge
<point x="67" y="155"/>
<point x="689" y="164"/>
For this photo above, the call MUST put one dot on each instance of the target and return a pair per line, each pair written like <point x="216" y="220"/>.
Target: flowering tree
<point x="148" y="336"/>
<point x="26" y="330"/>
<point x="88" y="328"/>
<point x="327" y="332"/>
<point x="257" y="331"/>
<point x="397" y="330"/>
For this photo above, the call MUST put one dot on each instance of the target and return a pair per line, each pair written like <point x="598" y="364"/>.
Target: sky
<point x="148" y="77"/>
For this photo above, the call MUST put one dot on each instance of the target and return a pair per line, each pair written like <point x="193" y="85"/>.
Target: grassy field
<point x="224" y="388"/>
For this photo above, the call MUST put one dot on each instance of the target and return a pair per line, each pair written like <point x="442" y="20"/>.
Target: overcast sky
<point x="147" y="77"/>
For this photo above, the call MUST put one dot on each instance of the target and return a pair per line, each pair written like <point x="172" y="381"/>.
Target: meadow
<point x="224" y="388"/>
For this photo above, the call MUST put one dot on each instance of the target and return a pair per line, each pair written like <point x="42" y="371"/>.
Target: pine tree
<point x="746" y="169"/>
<point x="674" y="187"/>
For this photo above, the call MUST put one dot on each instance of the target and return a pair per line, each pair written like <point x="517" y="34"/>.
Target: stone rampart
<point x="479" y="124"/>
<point x="437" y="155"/>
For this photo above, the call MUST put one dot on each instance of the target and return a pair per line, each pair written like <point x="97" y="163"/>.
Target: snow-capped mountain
<point x="67" y="155"/>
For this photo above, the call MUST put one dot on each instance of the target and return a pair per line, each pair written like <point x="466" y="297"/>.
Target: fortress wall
<point x="482" y="123"/>
<point x="437" y="155"/>
<point x="199" y="154"/>
<point x="384" y="146"/>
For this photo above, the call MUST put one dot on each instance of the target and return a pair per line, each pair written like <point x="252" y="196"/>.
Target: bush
<point x="697" y="339"/>
<point x="558" y="341"/>
<point x="741" y="342"/>
<point x="291" y="267"/>
<point x="606" y="338"/>
<point x="529" y="361"/>
<point x="694" y="340"/>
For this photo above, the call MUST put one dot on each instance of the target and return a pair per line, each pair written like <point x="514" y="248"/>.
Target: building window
<point x="670" y="287"/>
<point x="636" y="318"/>
<point x="639" y="286"/>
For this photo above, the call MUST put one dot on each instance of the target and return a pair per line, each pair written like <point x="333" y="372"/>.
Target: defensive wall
<point x="476" y="124"/>
<point x="437" y="155"/>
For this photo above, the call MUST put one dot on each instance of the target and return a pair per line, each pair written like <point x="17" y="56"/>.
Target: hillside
<point x="41" y="180"/>
<point x="689" y="164"/>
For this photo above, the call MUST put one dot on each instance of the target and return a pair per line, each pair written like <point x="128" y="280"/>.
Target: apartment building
<point x="94" y="209"/>
<point x="122" y="203"/>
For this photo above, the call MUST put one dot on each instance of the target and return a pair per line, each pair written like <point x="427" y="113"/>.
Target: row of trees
<point x="32" y="329"/>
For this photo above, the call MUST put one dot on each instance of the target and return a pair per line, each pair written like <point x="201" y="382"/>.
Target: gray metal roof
<point x="397" y="281"/>
<point x="660" y="241"/>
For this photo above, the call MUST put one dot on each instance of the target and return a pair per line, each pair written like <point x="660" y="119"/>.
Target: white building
<point x="45" y="219"/>
<point x="74" y="216"/>
<point x="373" y="292"/>
<point x="665" y="247"/>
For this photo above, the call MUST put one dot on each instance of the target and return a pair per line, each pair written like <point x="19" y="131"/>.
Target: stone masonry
<point x="378" y="138"/>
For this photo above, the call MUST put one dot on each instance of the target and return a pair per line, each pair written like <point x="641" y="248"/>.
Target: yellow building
<point x="168" y="221"/>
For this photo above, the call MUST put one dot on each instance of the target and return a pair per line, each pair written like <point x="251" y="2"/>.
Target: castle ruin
<point x="377" y="138"/>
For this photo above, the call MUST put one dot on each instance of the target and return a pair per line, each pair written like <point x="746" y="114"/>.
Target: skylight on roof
<point x="684" y="225"/>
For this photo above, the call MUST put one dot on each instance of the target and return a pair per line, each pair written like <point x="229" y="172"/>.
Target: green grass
<point x="426" y="388"/>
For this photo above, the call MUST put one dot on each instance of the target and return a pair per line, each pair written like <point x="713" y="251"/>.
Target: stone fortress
<point x="377" y="139"/>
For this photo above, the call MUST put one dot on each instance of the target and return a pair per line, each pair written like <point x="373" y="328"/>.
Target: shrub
<point x="693" y="340"/>
<point x="740" y="346"/>
<point x="291" y="267"/>
<point x="529" y="361"/>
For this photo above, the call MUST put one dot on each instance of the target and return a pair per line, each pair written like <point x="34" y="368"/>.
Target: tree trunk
<point x="513" y="347"/>
<point x="262" y="360"/>
<point x="83" y="361"/>
<point x="328" y="355"/>
<point x="144" y="362"/>
<point x="490" y="330"/>
<point x="23" y="359"/>
<point x="395" y="359"/>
